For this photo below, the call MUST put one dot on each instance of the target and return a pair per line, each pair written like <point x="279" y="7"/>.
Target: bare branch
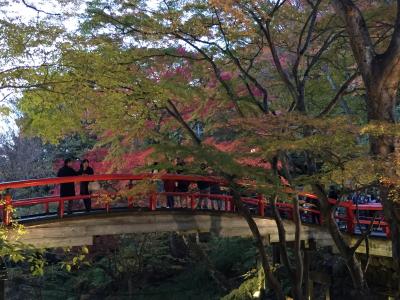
<point x="338" y="95"/>
<point x="217" y="71"/>
<point x="364" y="235"/>
<point x="38" y="10"/>
<point x="266" y="31"/>
<point x="174" y="112"/>
<point x="244" y="72"/>
<point x="393" y="49"/>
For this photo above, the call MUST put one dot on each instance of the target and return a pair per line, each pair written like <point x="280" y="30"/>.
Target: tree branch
<point x="282" y="237"/>
<point x="360" y="39"/>
<point x="217" y="72"/>
<point x="393" y="51"/>
<point x="37" y="9"/>
<point x="242" y="69"/>
<point x="364" y="235"/>
<point x="338" y="95"/>
<point x="302" y="48"/>
<point x="173" y="111"/>
<point x="266" y="31"/>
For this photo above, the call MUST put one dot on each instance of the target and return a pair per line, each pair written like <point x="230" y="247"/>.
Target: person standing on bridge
<point x="85" y="169"/>
<point x="169" y="188"/>
<point x="182" y="185"/>
<point x="215" y="189"/>
<point x="67" y="189"/>
<point x="204" y="190"/>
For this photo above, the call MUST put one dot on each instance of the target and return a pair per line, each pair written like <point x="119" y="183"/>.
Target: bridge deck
<point x="80" y="229"/>
<point x="58" y="229"/>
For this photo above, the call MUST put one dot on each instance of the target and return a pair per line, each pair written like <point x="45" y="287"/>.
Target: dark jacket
<point x="215" y="189"/>
<point x="66" y="189"/>
<point x="84" y="186"/>
<point x="203" y="185"/>
<point x="183" y="186"/>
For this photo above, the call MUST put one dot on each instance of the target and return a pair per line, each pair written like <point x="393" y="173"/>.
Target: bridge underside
<point x="80" y="230"/>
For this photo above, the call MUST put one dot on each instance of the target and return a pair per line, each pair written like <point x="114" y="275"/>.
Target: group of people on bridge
<point x="68" y="189"/>
<point x="176" y="193"/>
<point x="172" y="188"/>
<point x="204" y="188"/>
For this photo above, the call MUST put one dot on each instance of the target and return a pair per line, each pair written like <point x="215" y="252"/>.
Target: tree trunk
<point x="282" y="236"/>
<point x="298" y="257"/>
<point x="381" y="99"/>
<point x="199" y="254"/>
<point x="381" y="102"/>
<point x="353" y="264"/>
<point x="300" y="103"/>
<point x="381" y="76"/>
<point x="271" y="280"/>
<point x="392" y="215"/>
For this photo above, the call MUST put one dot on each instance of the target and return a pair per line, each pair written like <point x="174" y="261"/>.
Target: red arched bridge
<point x="129" y="203"/>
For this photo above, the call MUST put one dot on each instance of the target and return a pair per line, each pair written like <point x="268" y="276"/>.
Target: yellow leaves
<point x="353" y="173"/>
<point x="85" y="250"/>
<point x="77" y="260"/>
<point x="394" y="194"/>
<point x="5" y="111"/>
<point x="380" y="129"/>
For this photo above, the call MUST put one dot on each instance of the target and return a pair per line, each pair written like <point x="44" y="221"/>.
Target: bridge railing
<point x="347" y="214"/>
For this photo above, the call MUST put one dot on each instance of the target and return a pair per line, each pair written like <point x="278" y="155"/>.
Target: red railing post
<point x="387" y="230"/>
<point x="192" y="201"/>
<point x="61" y="208"/>
<point x="350" y="218"/>
<point x="153" y="201"/>
<point x="225" y="203"/>
<point x="2" y="206"/>
<point x="130" y="201"/>
<point x="261" y="205"/>
<point x="107" y="206"/>
<point x="232" y="208"/>
<point x="46" y="207"/>
<point x="7" y="211"/>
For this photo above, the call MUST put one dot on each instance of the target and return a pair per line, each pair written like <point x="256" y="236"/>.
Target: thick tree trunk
<point x="381" y="76"/>
<point x="392" y="215"/>
<point x="381" y="100"/>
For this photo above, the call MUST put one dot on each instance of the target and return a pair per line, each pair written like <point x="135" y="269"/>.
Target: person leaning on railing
<point x="85" y="169"/>
<point x="204" y="189"/>
<point x="182" y="186"/>
<point x="169" y="187"/>
<point x="215" y="189"/>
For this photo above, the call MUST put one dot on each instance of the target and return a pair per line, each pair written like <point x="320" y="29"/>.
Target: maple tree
<point x="262" y="76"/>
